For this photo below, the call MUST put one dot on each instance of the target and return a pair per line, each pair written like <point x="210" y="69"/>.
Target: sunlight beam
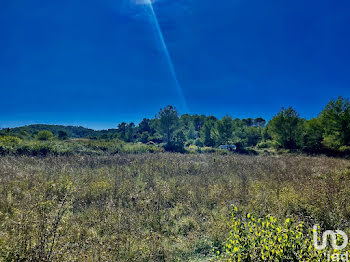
<point x="167" y="55"/>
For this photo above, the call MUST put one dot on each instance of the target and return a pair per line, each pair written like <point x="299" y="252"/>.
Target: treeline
<point x="328" y="133"/>
<point x="30" y="131"/>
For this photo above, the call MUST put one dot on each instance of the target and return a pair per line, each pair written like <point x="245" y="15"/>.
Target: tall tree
<point x="186" y="120"/>
<point x="313" y="135"/>
<point x="248" y="121"/>
<point x="191" y="132"/>
<point x="224" y="129"/>
<point x="206" y="136"/>
<point x="198" y="121"/>
<point x="168" y="123"/>
<point x="336" y="122"/>
<point x="122" y="128"/>
<point x="62" y="135"/>
<point x="130" y="131"/>
<point x="286" y="128"/>
<point x="144" y="126"/>
<point x="252" y="135"/>
<point x="259" y="122"/>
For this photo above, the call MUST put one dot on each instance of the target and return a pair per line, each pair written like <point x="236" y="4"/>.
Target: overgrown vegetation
<point x="76" y="194"/>
<point x="267" y="239"/>
<point x="327" y="134"/>
<point x="14" y="146"/>
<point x="163" y="206"/>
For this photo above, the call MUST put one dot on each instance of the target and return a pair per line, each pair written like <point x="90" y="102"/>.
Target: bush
<point x="8" y="143"/>
<point x="198" y="142"/>
<point x="42" y="150"/>
<point x="345" y="149"/>
<point x="4" y="150"/>
<point x="266" y="239"/>
<point x="24" y="150"/>
<point x="62" y="135"/>
<point x="208" y="150"/>
<point x="44" y="135"/>
<point x="9" y="140"/>
<point x="267" y="144"/>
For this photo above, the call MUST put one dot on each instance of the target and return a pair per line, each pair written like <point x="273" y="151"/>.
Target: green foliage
<point x="8" y="144"/>
<point x="191" y="133"/>
<point x="168" y="125"/>
<point x="145" y="137"/>
<point x="62" y="135"/>
<point x="44" y="135"/>
<point x="259" y="122"/>
<point x="267" y="239"/>
<point x="313" y="135"/>
<point x="224" y="129"/>
<point x="9" y="140"/>
<point x="145" y="126"/>
<point x="267" y="144"/>
<point x="286" y="129"/>
<point x="206" y="133"/>
<point x="336" y="122"/>
<point x="329" y="133"/>
<point x="179" y="141"/>
<point x="27" y="132"/>
<point x="251" y="135"/>
<point x="15" y="146"/>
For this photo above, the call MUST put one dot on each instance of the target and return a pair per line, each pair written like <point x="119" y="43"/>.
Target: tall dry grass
<point x="156" y="207"/>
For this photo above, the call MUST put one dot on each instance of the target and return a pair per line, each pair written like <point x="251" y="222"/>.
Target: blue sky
<point x="97" y="63"/>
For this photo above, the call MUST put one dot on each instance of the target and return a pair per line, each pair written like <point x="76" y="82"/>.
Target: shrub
<point x="198" y="142"/>
<point x="4" y="150"/>
<point x="62" y="135"/>
<point x="42" y="150"/>
<point x="266" y="239"/>
<point x="208" y="150"/>
<point x="44" y="135"/>
<point x="267" y="144"/>
<point x="9" y="140"/>
<point x="24" y="150"/>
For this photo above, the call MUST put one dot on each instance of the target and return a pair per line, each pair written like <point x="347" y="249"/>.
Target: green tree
<point x="253" y="135"/>
<point x="336" y="122"/>
<point x="44" y="135"/>
<point x="168" y="124"/>
<point x="248" y="121"/>
<point x="186" y="120"/>
<point x="206" y="135"/>
<point x="287" y="128"/>
<point x="62" y="135"/>
<point x="178" y="142"/>
<point x="122" y="129"/>
<point x="224" y="129"/>
<point x="313" y="135"/>
<point x="259" y="122"/>
<point x="191" y="132"/>
<point x="145" y="126"/>
<point x="144" y="138"/>
<point x="198" y="121"/>
<point x="130" y="132"/>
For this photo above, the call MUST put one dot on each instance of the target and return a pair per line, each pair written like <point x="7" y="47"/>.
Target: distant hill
<point x="72" y="131"/>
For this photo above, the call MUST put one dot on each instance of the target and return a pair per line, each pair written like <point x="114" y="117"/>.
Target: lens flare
<point x="166" y="52"/>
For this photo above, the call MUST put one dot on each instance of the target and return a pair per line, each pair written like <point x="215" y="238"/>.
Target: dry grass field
<point x="157" y="207"/>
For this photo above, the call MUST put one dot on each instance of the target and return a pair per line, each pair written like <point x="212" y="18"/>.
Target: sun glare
<point x="160" y="36"/>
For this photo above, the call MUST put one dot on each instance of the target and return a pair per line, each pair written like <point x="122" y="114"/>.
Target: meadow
<point x="158" y="206"/>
